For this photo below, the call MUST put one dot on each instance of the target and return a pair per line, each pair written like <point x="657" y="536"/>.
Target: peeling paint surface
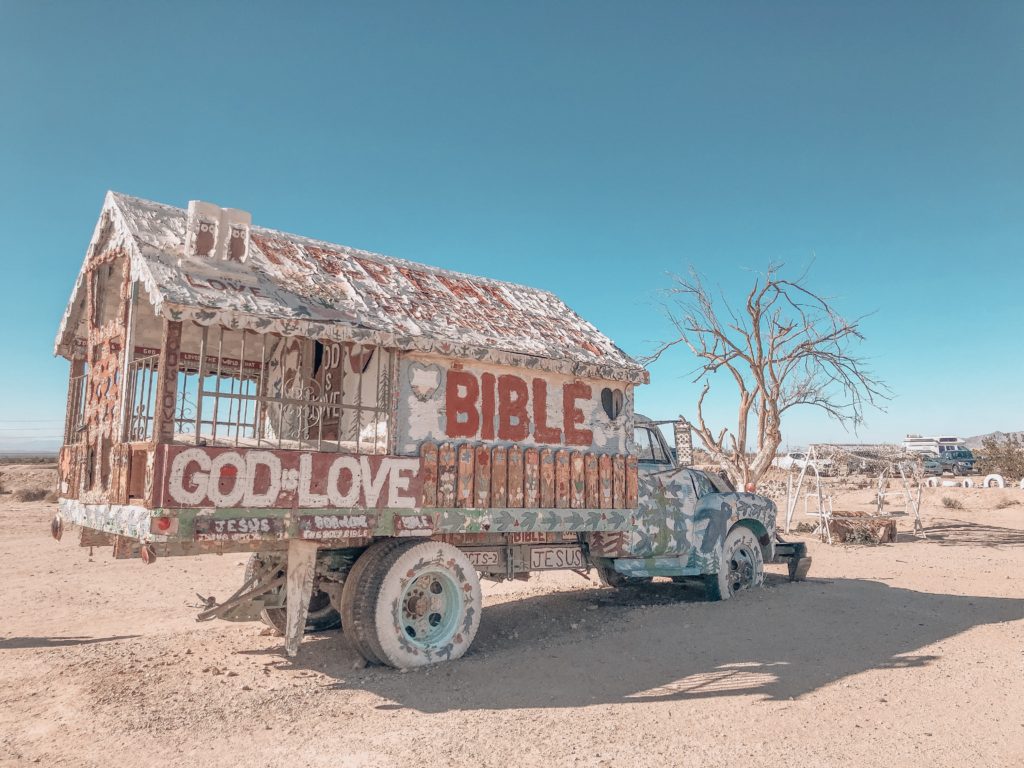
<point x="522" y="520"/>
<point x="297" y="286"/>
<point x="493" y="477"/>
<point x="120" y="519"/>
<point x="251" y="478"/>
<point x="441" y="401"/>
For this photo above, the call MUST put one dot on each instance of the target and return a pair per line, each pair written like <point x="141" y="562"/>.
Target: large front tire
<point x="425" y="602"/>
<point x="741" y="566"/>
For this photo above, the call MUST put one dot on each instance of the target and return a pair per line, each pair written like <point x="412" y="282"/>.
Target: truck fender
<point x="764" y="538"/>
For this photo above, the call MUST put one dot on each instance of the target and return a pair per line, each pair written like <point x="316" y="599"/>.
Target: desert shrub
<point x="22" y="459"/>
<point x="30" y="494"/>
<point x="951" y="503"/>
<point x="1004" y="503"/>
<point x="1002" y="457"/>
<point x="862" y="530"/>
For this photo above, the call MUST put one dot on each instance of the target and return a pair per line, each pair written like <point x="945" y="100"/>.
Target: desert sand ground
<point x="906" y="654"/>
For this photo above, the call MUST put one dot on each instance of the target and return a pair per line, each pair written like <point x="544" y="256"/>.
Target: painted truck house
<point x="379" y="433"/>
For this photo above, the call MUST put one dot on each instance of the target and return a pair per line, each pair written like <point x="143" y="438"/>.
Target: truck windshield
<point x="648" y="447"/>
<point x="642" y="438"/>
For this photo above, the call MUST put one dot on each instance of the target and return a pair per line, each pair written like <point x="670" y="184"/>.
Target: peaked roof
<point x="294" y="285"/>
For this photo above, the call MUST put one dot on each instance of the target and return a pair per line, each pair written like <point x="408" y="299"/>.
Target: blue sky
<point x="589" y="148"/>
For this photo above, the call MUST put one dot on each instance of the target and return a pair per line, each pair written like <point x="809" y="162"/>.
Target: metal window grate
<point x="241" y="388"/>
<point x="74" y="423"/>
<point x="141" y="391"/>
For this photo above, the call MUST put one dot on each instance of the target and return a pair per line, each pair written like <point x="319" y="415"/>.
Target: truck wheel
<point x="321" y="617"/>
<point x="423" y="604"/>
<point x="741" y="567"/>
<point x="612" y="578"/>
<point x="356" y="610"/>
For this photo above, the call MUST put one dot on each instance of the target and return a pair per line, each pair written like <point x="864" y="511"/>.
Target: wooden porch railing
<point x="480" y="476"/>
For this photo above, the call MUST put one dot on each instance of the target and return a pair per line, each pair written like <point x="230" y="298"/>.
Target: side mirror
<point x="683" y="435"/>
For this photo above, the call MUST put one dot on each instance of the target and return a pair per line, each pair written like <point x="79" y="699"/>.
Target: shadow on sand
<point x="11" y="643"/>
<point x="595" y="646"/>
<point x="963" y="533"/>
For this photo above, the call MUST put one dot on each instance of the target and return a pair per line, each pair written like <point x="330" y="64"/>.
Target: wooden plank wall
<point x="478" y="476"/>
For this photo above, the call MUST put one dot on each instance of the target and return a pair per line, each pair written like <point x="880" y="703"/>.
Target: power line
<point x="30" y="421"/>
<point x="26" y="429"/>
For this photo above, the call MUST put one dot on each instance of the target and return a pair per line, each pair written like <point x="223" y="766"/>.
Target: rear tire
<point x="356" y="611"/>
<point x="321" y="617"/>
<point x="418" y="603"/>
<point x="741" y="566"/>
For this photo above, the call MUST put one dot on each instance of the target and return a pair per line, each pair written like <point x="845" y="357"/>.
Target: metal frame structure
<point x="261" y="399"/>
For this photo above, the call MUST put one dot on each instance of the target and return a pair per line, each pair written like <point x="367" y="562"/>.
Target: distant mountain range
<point x="976" y="441"/>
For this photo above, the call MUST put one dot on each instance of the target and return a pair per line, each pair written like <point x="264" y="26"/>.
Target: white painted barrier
<point x="993" y="481"/>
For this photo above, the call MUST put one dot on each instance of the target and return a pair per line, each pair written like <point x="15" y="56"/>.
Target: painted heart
<point x="611" y="400"/>
<point x="424" y="381"/>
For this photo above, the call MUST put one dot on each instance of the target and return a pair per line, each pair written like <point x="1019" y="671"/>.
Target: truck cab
<point x="690" y="525"/>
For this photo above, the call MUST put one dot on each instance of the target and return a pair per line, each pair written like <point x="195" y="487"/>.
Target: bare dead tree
<point x="787" y="347"/>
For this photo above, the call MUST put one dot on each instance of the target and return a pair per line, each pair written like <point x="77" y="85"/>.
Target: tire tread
<point x="357" y="605"/>
<point x="375" y="585"/>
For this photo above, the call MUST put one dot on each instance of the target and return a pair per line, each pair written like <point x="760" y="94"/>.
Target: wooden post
<point x="75" y="397"/>
<point x="428" y="455"/>
<point x="167" y="383"/>
<point x="127" y="356"/>
<point x="301" y="567"/>
<point x="447" y="475"/>
<point x="464" y="490"/>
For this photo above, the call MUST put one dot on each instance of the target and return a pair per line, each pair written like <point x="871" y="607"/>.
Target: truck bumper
<point x="794" y="554"/>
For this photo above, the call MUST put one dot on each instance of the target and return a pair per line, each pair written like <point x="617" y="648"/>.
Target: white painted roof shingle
<point x="299" y="286"/>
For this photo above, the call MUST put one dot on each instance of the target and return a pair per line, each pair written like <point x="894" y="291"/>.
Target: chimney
<point x="215" y="233"/>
